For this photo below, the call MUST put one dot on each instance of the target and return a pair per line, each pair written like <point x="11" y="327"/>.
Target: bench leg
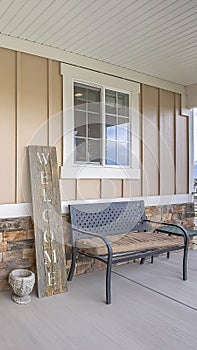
<point x="142" y="261"/>
<point x="73" y="263"/>
<point x="185" y="256"/>
<point x="152" y="257"/>
<point x="168" y="255"/>
<point x="108" y="281"/>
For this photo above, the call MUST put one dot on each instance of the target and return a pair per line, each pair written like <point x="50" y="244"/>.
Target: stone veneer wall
<point x="17" y="239"/>
<point x="16" y="247"/>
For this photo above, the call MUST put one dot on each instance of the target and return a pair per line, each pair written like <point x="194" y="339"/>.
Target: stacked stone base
<point x="17" y="240"/>
<point x="16" y="247"/>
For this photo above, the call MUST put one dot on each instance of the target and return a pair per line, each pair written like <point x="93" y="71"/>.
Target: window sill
<point x="88" y="171"/>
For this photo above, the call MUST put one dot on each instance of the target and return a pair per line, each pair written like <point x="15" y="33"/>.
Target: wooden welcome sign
<point x="48" y="228"/>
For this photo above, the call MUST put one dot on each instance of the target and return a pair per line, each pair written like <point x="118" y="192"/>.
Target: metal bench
<point x="117" y="232"/>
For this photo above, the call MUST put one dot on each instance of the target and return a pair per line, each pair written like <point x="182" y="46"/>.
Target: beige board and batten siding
<point x="88" y="188"/>
<point x="7" y="126"/>
<point x="182" y="149"/>
<point x="39" y="119"/>
<point x="31" y="95"/>
<point x="164" y="143"/>
<point x="32" y="115"/>
<point x="150" y="140"/>
<point x="31" y="112"/>
<point x="132" y="188"/>
<point x="167" y="143"/>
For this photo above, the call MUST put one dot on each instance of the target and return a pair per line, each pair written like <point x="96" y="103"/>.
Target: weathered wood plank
<point x="48" y="229"/>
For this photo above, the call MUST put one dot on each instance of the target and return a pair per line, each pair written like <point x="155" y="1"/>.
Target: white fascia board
<point x="26" y="46"/>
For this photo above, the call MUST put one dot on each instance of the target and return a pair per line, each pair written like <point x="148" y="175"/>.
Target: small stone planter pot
<point x="22" y="282"/>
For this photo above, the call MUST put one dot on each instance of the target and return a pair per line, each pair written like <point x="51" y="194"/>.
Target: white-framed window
<point x="101" y="125"/>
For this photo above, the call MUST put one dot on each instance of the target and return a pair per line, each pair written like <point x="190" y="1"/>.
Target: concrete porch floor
<point x="152" y="309"/>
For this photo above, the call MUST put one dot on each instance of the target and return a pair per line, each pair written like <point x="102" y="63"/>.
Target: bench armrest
<point x="183" y="230"/>
<point x="105" y="240"/>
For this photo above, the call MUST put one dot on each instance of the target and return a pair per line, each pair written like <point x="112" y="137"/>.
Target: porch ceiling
<point x="155" y="37"/>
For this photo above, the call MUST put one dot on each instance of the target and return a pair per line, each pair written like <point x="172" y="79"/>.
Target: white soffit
<point x="154" y="37"/>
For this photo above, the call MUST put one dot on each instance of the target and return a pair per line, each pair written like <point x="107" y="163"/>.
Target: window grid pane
<point x="117" y="128"/>
<point x="87" y="124"/>
<point x="88" y="132"/>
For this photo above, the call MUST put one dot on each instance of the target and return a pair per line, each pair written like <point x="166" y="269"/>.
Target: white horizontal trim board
<point x="148" y="201"/>
<point x="15" y="210"/>
<point x="25" y="209"/>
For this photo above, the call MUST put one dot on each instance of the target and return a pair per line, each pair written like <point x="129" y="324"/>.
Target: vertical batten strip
<point x="122" y="188"/>
<point x="142" y="138"/>
<point x="18" y="106"/>
<point x="76" y="186"/>
<point x="176" y="114"/>
<point x="48" y="100"/>
<point x="61" y="120"/>
<point x="140" y="143"/>
<point x="100" y="189"/>
<point x="190" y="135"/>
<point x="167" y="142"/>
<point x="182" y="149"/>
<point x="55" y="106"/>
<point x="159" y="151"/>
<point x="8" y="125"/>
<point x="187" y="154"/>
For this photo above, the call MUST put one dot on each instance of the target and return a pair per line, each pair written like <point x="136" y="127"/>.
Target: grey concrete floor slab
<point x="142" y="315"/>
<point x="165" y="276"/>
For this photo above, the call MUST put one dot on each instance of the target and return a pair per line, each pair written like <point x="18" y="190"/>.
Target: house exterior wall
<point x="31" y="112"/>
<point x="31" y="103"/>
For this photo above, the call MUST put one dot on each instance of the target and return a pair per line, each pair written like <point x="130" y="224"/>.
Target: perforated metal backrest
<point x="108" y="218"/>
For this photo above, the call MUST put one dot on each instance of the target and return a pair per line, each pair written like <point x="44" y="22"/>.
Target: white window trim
<point x="71" y="170"/>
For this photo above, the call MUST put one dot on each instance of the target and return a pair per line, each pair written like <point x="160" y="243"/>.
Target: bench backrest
<point x="108" y="218"/>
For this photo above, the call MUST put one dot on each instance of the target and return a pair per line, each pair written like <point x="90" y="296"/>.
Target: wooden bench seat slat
<point x="133" y="241"/>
